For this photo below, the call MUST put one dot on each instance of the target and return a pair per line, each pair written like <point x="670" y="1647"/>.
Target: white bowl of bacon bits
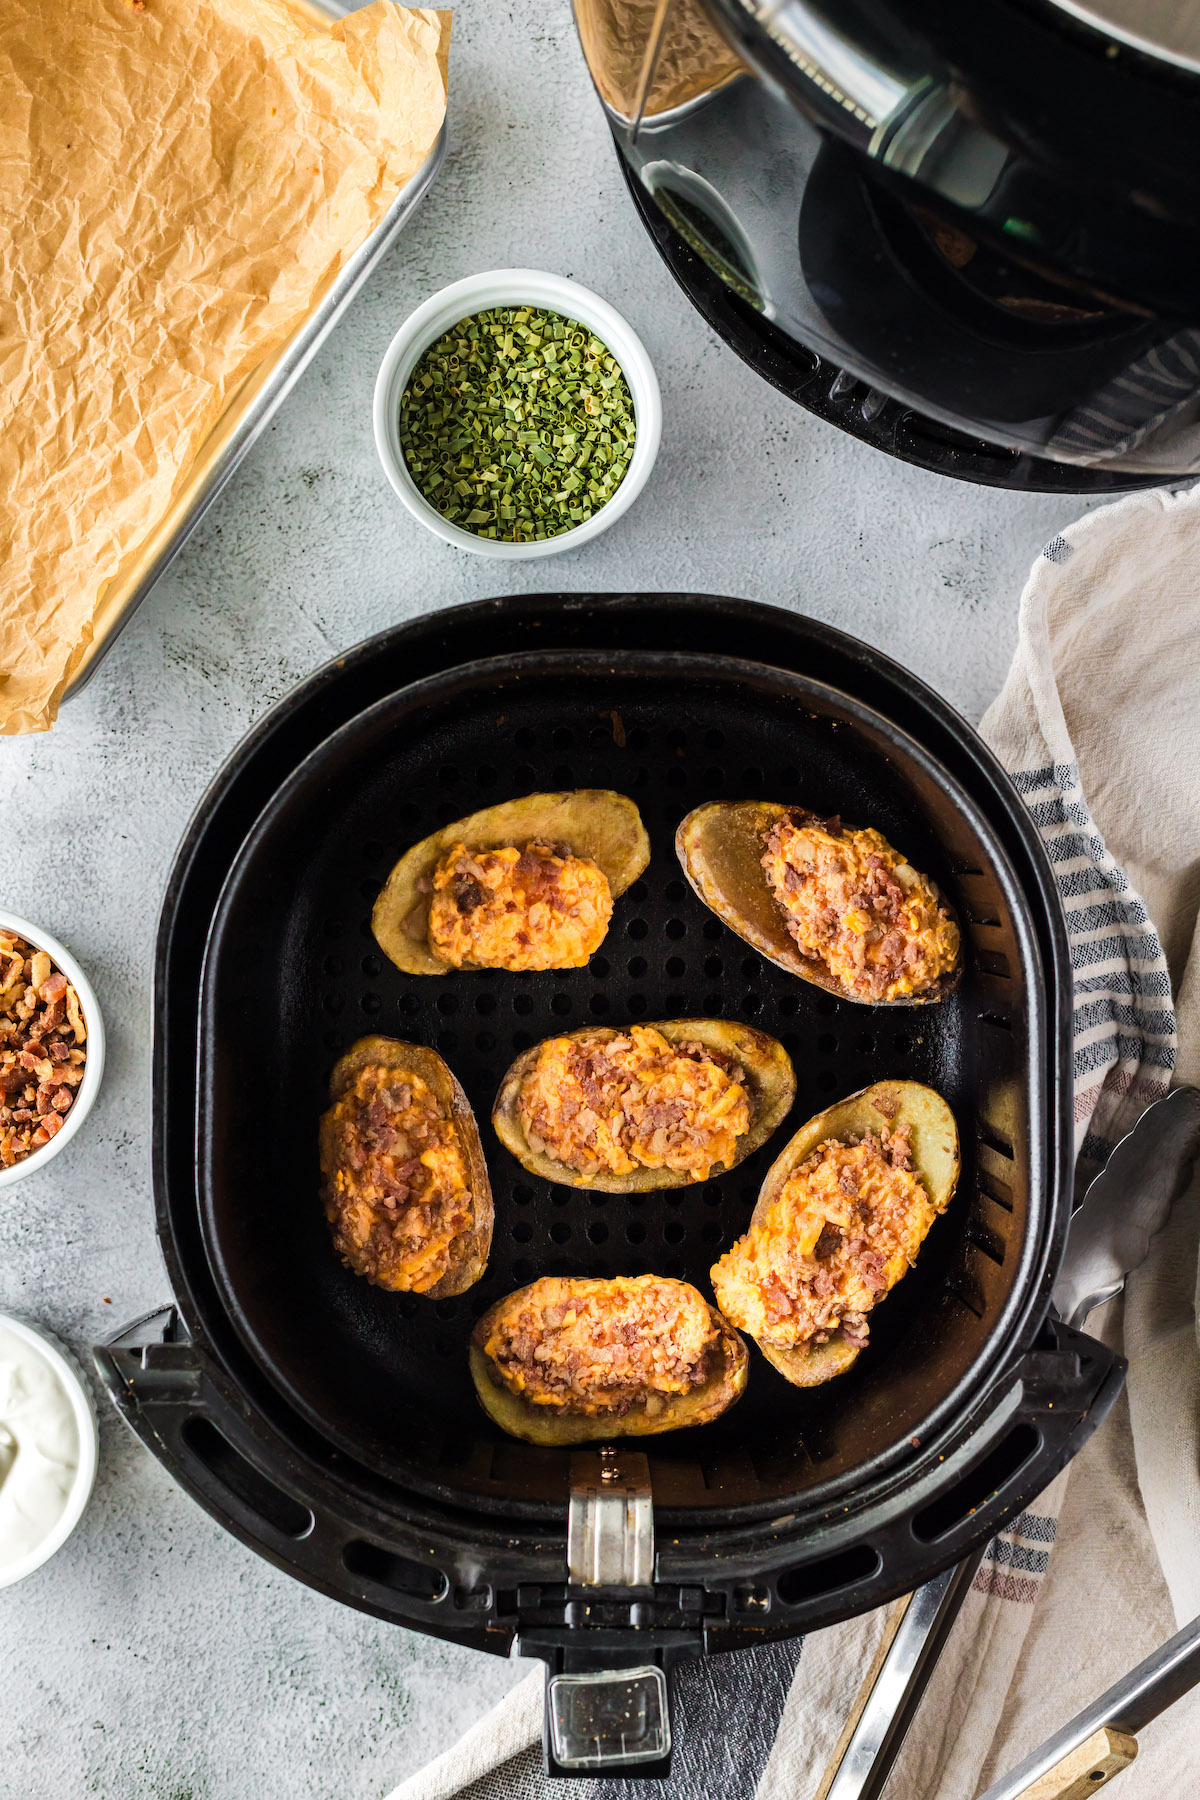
<point x="51" y="1047"/>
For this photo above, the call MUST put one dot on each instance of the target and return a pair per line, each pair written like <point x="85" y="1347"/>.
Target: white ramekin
<point x="75" y="1386"/>
<point x="94" y="1066"/>
<point x="516" y="287"/>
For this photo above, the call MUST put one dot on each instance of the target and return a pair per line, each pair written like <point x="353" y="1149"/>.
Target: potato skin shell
<point x="595" y="822"/>
<point x="719" y="846"/>
<point x="542" y="1425"/>
<point x="936" y="1159"/>
<point x="470" y="1253"/>
<point x="769" y="1073"/>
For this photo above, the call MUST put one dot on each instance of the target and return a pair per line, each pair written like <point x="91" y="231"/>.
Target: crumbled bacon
<point x="839" y="1234"/>
<point x="828" y="1241"/>
<point x="42" y="1048"/>
<point x="852" y="902"/>
<point x="467" y="892"/>
<point x="635" y="1100"/>
<point x="589" y="1346"/>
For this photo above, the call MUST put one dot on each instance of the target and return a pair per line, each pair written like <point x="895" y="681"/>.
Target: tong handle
<point x="1085" y="1769"/>
<point x="892" y="1689"/>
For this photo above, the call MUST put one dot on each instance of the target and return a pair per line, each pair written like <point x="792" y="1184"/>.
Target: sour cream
<point x="39" y="1448"/>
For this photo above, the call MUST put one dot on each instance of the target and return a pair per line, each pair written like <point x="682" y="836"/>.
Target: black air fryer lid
<point x="998" y="223"/>
<point x="842" y="399"/>
<point x="1048" y="137"/>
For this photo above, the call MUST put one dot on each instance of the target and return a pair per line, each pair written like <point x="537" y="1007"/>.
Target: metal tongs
<point x="1109" y="1237"/>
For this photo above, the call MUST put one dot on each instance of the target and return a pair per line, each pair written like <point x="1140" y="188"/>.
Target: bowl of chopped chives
<point x="517" y="414"/>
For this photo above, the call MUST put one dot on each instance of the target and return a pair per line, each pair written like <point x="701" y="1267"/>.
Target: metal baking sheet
<point x="246" y="417"/>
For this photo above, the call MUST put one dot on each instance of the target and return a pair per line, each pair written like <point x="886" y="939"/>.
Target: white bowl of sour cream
<point x="48" y="1448"/>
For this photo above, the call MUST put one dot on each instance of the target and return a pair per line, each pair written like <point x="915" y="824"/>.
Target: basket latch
<point x="604" y="1718"/>
<point x="607" y="1719"/>
<point x="610" y="1519"/>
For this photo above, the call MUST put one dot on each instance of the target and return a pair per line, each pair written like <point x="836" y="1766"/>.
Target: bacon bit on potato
<point x="590" y="1346"/>
<point x="396" y="1191"/>
<point x="844" y="1228"/>
<point x="536" y="908"/>
<point x="852" y="902"/>
<point x="633" y="1101"/>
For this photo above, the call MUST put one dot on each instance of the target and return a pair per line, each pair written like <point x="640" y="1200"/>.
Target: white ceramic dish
<point x="89" y="1087"/>
<point x="75" y="1387"/>
<point x="516" y="287"/>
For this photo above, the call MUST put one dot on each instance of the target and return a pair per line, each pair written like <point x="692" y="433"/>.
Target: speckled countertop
<point x="155" y="1658"/>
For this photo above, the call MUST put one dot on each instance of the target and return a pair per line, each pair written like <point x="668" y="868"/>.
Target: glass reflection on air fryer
<point x="529" y="885"/>
<point x="646" y="64"/>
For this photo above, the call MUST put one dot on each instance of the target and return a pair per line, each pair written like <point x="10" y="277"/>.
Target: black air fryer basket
<point x="333" y="1426"/>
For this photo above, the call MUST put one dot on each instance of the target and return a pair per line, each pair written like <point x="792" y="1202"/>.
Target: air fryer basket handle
<point x="252" y="1482"/>
<point x="609" y="1649"/>
<point x="611" y="1719"/>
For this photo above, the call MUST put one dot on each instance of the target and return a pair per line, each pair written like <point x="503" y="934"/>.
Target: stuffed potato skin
<point x="595" y="824"/>
<point x="723" y="1383"/>
<point x="884" y="1108"/>
<point x="721" y="846"/>
<point x="469" y="1250"/>
<point x="769" y="1076"/>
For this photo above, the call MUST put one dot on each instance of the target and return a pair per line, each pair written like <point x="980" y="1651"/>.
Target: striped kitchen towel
<point x="1124" y="1020"/>
<point x="1099" y="725"/>
<point x="1074" y="719"/>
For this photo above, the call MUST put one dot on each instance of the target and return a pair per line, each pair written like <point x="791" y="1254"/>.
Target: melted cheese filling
<point x="397" y="1194"/>
<point x="536" y="908"/>
<point x="839" y="1235"/>
<point x="634" y="1101"/>
<point x="852" y="902"/>
<point x="587" y="1346"/>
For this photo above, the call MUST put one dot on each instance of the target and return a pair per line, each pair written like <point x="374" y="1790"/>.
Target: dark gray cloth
<point x="521" y="1778"/>
<point x="726" y="1713"/>
<point x="725" y="1717"/>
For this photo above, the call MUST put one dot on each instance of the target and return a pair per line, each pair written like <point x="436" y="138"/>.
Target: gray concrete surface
<point x="155" y="1658"/>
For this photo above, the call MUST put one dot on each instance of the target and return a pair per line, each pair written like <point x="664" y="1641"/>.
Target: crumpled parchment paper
<point x="177" y="180"/>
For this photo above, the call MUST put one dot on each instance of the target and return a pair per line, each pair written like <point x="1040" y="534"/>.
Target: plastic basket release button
<point x="605" y="1720"/>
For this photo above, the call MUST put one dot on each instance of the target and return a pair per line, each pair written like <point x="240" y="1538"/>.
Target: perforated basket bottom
<point x="386" y="1373"/>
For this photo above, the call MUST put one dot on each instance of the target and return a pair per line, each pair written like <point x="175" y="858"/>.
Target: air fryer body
<point x="986" y="216"/>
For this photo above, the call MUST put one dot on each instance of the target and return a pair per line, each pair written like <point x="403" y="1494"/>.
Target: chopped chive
<point x="505" y="413"/>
